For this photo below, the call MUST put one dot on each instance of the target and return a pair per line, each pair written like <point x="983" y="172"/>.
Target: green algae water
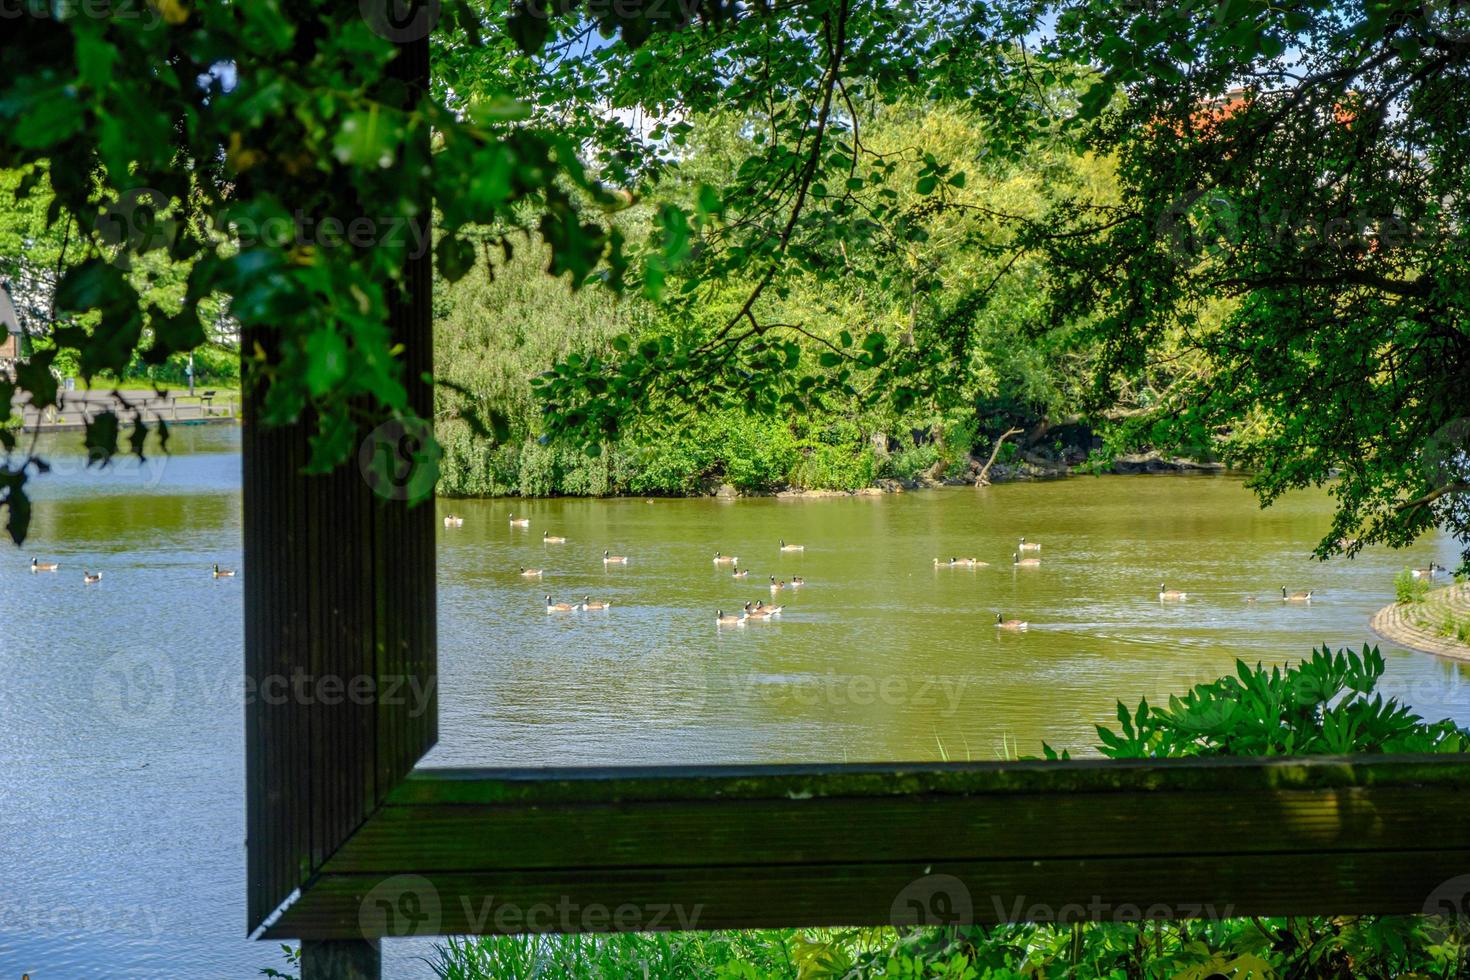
<point x="880" y="655"/>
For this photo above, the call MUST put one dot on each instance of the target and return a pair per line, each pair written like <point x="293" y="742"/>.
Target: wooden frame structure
<point x="349" y="843"/>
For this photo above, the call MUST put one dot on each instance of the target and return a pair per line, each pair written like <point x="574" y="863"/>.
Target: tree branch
<point x="983" y="478"/>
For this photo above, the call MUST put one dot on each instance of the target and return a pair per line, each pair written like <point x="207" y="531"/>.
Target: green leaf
<point x="326" y="364"/>
<point x="499" y="108"/>
<point x="368" y="139"/>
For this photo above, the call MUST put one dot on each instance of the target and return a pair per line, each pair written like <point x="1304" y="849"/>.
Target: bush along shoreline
<point x="730" y="455"/>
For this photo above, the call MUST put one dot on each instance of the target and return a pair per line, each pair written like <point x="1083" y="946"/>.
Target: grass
<point x="752" y="955"/>
<point x="1458" y="629"/>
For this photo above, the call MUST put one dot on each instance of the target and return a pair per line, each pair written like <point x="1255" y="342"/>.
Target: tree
<point x="1288" y="262"/>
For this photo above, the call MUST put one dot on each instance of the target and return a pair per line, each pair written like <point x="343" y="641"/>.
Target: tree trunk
<point x="983" y="479"/>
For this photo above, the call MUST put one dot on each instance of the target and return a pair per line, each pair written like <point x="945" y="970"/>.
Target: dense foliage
<point x="1295" y="221"/>
<point x="507" y="322"/>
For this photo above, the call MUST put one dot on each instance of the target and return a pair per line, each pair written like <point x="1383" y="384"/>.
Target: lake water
<point x="122" y="824"/>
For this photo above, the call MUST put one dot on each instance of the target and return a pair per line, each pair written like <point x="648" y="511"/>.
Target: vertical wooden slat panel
<point x="339" y="587"/>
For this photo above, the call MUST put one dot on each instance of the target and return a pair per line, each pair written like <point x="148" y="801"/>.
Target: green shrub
<point x="753" y="954"/>
<point x="829" y="467"/>
<point x="753" y="453"/>
<point x="593" y="476"/>
<point x="1409" y="589"/>
<point x="474" y="467"/>
<point x="539" y="474"/>
<point x="909" y="462"/>
<point x="668" y="466"/>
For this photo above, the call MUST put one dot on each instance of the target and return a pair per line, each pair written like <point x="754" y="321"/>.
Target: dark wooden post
<point x="341" y="959"/>
<point x="339" y="636"/>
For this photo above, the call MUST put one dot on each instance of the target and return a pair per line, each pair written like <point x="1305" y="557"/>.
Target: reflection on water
<point x="121" y="727"/>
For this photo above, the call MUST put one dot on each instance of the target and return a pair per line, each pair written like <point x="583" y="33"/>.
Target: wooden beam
<point x="339" y="615"/>
<point x="463" y="851"/>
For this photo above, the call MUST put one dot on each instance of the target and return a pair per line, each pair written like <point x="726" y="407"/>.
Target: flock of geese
<point x="1026" y="555"/>
<point x="92" y="578"/>
<point x="757" y="610"/>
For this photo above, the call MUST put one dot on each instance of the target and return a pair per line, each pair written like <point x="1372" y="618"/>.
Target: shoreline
<point x="1415" y="626"/>
<point x="1140" y="465"/>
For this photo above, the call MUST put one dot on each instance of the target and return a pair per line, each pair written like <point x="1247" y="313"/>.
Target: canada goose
<point x="587" y="603"/>
<point x="1016" y="559"/>
<point x="37" y="565"/>
<point x="1295" y="596"/>
<point x="777" y="586"/>
<point x="969" y="563"/>
<point x="726" y="559"/>
<point x="548" y="538"/>
<point x="791" y="547"/>
<point x="739" y="572"/>
<point x="223" y="572"/>
<point x="90" y="578"/>
<point x="1025" y="545"/>
<point x="797" y="581"/>
<point x="762" y="611"/>
<point x="1429" y="572"/>
<point x="1010" y="624"/>
<point x="556" y="607"/>
<point x="608" y="558"/>
<point x="1170" y="593"/>
<point x="723" y="620"/>
<point x="453" y="521"/>
<point x="531" y="572"/>
<point x="519" y="521"/>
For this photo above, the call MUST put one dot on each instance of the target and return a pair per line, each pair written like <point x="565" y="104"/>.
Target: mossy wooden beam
<point x="840" y="845"/>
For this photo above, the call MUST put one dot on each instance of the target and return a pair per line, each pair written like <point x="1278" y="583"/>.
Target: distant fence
<point x="78" y="408"/>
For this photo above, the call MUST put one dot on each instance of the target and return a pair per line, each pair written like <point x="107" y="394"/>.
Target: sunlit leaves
<point x="1325" y="705"/>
